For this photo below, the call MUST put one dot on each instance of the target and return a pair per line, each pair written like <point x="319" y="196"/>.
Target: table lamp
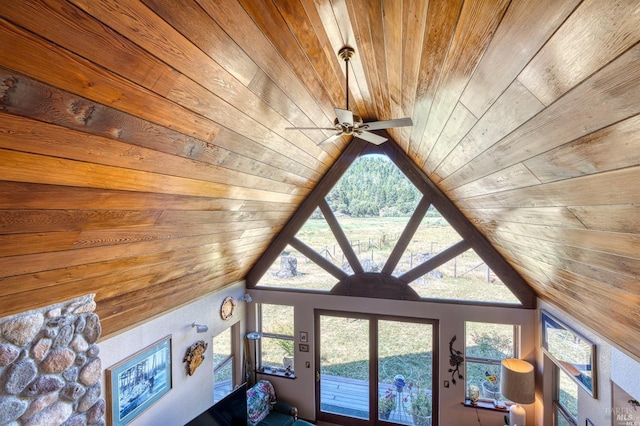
<point x="517" y="384"/>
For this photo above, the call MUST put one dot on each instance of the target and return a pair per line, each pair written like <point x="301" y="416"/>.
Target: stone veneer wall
<point x="49" y="366"/>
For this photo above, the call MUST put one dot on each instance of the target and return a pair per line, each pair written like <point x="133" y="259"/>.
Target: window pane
<point x="222" y="365"/>
<point x="405" y="372"/>
<point x="344" y="366"/>
<point x="486" y="377"/>
<point x="487" y="344"/>
<point x="276" y="352"/>
<point x="561" y="419"/>
<point x="222" y="381"/>
<point x="294" y="270"/>
<point x="372" y="204"/>
<point x="276" y="345"/>
<point x="221" y="347"/>
<point x="465" y="277"/>
<point x="567" y="393"/>
<point x="277" y="319"/>
<point x="489" y="341"/>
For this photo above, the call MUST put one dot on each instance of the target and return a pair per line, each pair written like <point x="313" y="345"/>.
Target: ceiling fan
<point x="348" y="123"/>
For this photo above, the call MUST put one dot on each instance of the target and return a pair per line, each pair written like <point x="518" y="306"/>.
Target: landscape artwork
<point x="137" y="382"/>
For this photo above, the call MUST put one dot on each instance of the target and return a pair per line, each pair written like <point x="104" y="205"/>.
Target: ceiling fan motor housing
<point x="348" y="128"/>
<point x="347" y="123"/>
<point x="346" y="53"/>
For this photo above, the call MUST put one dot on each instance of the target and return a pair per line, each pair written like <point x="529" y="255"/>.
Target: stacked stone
<point x="49" y="366"/>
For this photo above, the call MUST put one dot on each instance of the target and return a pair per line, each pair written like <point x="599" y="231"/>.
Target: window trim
<point x="220" y="365"/>
<point x="509" y="277"/>
<point x="374" y="319"/>
<point x="259" y="367"/>
<point x="559" y="410"/>
<point x="231" y="358"/>
<point x="558" y="407"/>
<point x="517" y="330"/>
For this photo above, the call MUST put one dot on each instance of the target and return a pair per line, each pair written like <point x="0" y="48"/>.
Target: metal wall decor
<point x="195" y="356"/>
<point x="227" y="307"/>
<point x="455" y="361"/>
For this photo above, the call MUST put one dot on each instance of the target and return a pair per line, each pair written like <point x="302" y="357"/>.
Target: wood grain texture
<point x="594" y="35"/>
<point x="525" y="29"/>
<point x="476" y="24"/>
<point x="144" y="156"/>
<point x="48" y="62"/>
<point x="515" y="106"/>
<point x="608" y="96"/>
<point x="442" y="20"/>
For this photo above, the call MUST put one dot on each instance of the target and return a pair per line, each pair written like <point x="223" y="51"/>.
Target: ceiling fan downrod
<point x="346" y="53"/>
<point x="350" y="124"/>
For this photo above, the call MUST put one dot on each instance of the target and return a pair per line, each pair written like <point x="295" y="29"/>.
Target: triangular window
<point x="376" y="233"/>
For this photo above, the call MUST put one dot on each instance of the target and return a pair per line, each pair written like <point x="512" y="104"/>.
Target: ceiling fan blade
<point x="310" y="128"/>
<point x="344" y="116"/>
<point x="388" y="124"/>
<point x="331" y="138"/>
<point x="370" y="137"/>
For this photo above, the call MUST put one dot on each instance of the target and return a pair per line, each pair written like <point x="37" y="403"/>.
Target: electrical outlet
<point x="307" y="364"/>
<point x="446" y="383"/>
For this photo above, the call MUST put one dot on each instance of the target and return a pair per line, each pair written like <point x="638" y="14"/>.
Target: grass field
<point x="463" y="278"/>
<point x="345" y="344"/>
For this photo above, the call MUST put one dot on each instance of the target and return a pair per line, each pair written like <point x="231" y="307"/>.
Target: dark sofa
<point x="263" y="408"/>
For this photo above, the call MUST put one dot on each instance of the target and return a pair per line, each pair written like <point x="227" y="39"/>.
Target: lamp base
<point x="517" y="415"/>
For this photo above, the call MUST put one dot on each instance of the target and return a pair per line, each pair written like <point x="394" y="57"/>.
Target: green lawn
<point x="373" y="239"/>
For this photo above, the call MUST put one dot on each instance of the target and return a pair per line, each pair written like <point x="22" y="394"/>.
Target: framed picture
<point x="303" y="347"/>
<point x="137" y="382"/>
<point x="304" y="336"/>
<point x="570" y="351"/>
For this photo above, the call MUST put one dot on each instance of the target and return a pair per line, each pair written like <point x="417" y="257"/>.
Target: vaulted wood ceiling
<point x="144" y="155"/>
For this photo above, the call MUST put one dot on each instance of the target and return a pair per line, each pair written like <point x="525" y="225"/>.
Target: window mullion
<point x="223" y="363"/>
<point x="484" y="360"/>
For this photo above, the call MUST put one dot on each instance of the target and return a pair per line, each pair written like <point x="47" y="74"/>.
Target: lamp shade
<point x="517" y="381"/>
<point x="254" y="335"/>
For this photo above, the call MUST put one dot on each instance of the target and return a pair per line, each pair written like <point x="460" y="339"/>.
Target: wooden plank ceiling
<point x="144" y="155"/>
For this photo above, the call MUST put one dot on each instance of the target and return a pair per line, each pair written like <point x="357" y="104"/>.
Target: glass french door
<point x="375" y="369"/>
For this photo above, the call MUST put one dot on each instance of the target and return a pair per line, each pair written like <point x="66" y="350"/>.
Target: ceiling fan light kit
<point x="350" y="124"/>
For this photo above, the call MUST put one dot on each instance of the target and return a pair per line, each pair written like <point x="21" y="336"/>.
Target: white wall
<point x="625" y="372"/>
<point x="611" y="365"/>
<point x="190" y="395"/>
<point x="452" y="317"/>
<point x="193" y="394"/>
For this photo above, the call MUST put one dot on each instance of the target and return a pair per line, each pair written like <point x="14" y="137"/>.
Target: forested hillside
<point x="374" y="186"/>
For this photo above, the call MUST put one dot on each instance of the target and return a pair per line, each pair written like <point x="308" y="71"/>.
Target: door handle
<point x="317" y="376"/>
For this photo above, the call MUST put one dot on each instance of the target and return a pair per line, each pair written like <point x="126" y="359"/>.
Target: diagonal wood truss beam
<point x="298" y="219"/>
<point x="407" y="234"/>
<point x="432" y="195"/>
<point x="343" y="241"/>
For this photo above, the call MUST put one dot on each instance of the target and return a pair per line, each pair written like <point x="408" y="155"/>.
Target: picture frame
<point x="588" y="422"/>
<point x="303" y="347"/>
<point x="137" y="382"/>
<point x="304" y="336"/>
<point x="571" y="351"/>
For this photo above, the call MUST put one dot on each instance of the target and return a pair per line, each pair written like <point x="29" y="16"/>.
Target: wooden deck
<point x="343" y="396"/>
<point x="350" y="397"/>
